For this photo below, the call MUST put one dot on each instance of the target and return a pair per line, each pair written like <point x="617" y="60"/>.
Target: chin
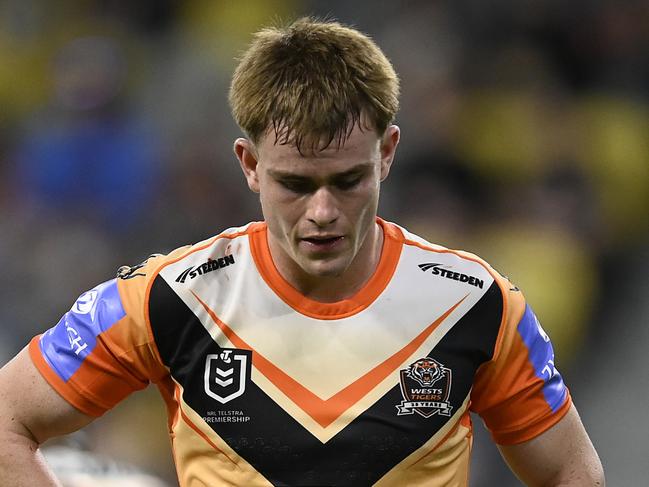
<point x="325" y="269"/>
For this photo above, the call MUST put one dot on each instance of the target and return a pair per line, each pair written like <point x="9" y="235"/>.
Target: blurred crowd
<point x="525" y="139"/>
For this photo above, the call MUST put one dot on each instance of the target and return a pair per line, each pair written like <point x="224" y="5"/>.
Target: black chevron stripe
<point x="276" y="444"/>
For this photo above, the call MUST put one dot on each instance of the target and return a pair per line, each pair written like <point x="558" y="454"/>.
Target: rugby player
<point x="323" y="345"/>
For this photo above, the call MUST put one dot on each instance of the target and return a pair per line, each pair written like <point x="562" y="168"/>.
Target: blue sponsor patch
<point x="66" y="345"/>
<point x="541" y="355"/>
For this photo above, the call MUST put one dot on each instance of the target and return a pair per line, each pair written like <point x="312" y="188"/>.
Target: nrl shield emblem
<point x="425" y="387"/>
<point x="226" y="374"/>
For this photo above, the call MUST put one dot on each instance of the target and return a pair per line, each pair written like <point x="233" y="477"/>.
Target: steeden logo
<point x="209" y="266"/>
<point x="443" y="271"/>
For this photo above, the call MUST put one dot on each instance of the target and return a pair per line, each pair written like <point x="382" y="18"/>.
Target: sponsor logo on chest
<point x="209" y="266"/>
<point x="425" y="387"/>
<point x="225" y="378"/>
<point x="226" y="374"/>
<point x="444" y="271"/>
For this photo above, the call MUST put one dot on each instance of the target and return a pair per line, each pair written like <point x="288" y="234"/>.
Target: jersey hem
<point x="73" y="397"/>
<point x="534" y="430"/>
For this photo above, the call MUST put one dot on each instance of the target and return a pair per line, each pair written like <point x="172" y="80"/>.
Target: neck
<point x="330" y="289"/>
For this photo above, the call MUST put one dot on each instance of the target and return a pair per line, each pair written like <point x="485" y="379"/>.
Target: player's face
<point x="320" y="208"/>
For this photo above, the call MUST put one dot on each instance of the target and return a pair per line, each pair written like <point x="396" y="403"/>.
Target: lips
<point x="322" y="239"/>
<point x="322" y="242"/>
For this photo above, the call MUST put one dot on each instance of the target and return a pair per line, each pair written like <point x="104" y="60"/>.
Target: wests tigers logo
<point x="426" y="371"/>
<point x="425" y="387"/>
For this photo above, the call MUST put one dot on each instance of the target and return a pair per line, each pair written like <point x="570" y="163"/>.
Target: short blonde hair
<point x="311" y="82"/>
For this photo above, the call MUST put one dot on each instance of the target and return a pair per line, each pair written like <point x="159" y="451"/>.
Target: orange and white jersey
<point x="265" y="386"/>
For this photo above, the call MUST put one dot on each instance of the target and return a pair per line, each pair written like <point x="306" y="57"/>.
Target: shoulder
<point x="455" y="267"/>
<point x="453" y="263"/>
<point x="138" y="283"/>
<point x="151" y="267"/>
<point x="495" y="301"/>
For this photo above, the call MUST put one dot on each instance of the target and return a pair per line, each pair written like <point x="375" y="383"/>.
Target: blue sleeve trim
<point x="541" y="356"/>
<point x="68" y="344"/>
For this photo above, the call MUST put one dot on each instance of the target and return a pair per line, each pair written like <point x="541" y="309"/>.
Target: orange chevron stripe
<point x="192" y="425"/>
<point x="325" y="412"/>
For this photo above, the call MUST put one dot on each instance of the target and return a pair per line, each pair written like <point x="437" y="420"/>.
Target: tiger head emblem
<point x="426" y="371"/>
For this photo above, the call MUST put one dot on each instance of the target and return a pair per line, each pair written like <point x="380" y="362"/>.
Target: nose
<point x="322" y="208"/>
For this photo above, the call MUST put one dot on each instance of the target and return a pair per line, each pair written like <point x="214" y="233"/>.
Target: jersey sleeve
<point x="519" y="393"/>
<point x="101" y="350"/>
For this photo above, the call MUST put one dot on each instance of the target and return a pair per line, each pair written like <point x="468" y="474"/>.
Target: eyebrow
<point x="358" y="169"/>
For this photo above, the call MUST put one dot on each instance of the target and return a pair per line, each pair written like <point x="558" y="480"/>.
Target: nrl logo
<point x="425" y="387"/>
<point x="226" y="374"/>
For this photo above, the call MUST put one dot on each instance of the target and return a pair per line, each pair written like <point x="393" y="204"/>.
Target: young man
<point x="322" y="346"/>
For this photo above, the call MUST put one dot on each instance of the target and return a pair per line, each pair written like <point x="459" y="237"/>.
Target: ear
<point x="247" y="155"/>
<point x="389" y="144"/>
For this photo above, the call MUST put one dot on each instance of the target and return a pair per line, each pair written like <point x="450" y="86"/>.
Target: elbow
<point x="589" y="476"/>
<point x="594" y="473"/>
<point x="598" y="479"/>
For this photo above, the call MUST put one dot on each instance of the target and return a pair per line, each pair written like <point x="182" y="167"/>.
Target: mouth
<point x="323" y="243"/>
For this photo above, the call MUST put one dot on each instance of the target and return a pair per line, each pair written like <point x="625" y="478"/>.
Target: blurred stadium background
<point x="525" y="139"/>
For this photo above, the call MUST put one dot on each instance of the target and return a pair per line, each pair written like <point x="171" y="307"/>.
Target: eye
<point x="297" y="185"/>
<point x="349" y="182"/>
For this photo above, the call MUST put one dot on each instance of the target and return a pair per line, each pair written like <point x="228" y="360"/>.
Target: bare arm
<point x="563" y="456"/>
<point x="30" y="413"/>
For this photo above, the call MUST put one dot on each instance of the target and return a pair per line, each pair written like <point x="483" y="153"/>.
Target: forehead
<point x="361" y="147"/>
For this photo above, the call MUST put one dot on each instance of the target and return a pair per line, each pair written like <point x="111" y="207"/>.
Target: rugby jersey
<point x="265" y="386"/>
